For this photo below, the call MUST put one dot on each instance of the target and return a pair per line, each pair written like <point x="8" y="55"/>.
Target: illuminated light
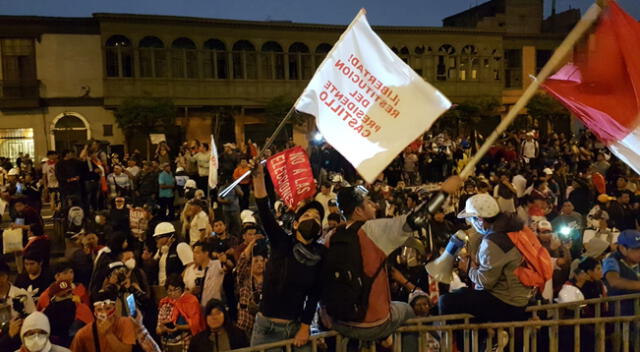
<point x="565" y="230"/>
<point x="318" y="137"/>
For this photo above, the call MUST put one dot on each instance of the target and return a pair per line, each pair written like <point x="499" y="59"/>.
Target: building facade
<point x="62" y="78"/>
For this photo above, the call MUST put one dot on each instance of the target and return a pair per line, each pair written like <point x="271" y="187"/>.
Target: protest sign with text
<point x="292" y="177"/>
<point x="369" y="105"/>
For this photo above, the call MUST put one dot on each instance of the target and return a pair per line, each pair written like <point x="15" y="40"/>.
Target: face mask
<point x="130" y="263"/>
<point x="102" y="316"/>
<point x="309" y="229"/>
<point x="36" y="342"/>
<point x="477" y="225"/>
<point x="164" y="249"/>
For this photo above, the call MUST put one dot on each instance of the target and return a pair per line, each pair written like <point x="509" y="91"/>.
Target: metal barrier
<point x="552" y="327"/>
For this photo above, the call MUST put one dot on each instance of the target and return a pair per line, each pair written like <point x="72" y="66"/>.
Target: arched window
<point x="299" y="61"/>
<point x="214" y="61"/>
<point x="119" y="56"/>
<point x="446" y="67"/>
<point x="469" y="63"/>
<point x="184" y="58"/>
<point x="153" y="57"/>
<point x="321" y="52"/>
<point x="272" y="61"/>
<point x="244" y="60"/>
<point x="69" y="130"/>
<point x="404" y="54"/>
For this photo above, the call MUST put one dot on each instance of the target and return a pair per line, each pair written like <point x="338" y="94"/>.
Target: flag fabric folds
<point x="369" y="104"/>
<point x="602" y="87"/>
<point x="213" y="165"/>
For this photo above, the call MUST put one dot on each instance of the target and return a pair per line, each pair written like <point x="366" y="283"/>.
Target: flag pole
<point x="585" y="23"/>
<point x="266" y="146"/>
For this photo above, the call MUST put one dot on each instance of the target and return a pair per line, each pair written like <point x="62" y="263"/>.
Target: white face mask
<point x="36" y="342"/>
<point x="477" y="225"/>
<point x="164" y="249"/>
<point x="130" y="263"/>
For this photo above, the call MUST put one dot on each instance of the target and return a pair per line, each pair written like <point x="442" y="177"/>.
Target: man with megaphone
<point x="498" y="294"/>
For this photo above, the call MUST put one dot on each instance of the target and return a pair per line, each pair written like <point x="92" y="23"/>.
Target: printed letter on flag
<point x="213" y="165"/>
<point x="369" y="105"/>
<point x="602" y="88"/>
<point x="292" y="177"/>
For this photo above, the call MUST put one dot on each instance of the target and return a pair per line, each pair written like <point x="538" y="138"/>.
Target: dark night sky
<point x="380" y="12"/>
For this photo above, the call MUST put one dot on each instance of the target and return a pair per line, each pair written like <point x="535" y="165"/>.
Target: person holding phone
<point x="179" y="317"/>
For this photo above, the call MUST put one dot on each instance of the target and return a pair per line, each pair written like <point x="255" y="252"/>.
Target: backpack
<point x="346" y="287"/>
<point x="536" y="268"/>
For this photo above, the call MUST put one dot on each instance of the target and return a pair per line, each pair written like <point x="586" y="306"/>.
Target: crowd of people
<point x="155" y="260"/>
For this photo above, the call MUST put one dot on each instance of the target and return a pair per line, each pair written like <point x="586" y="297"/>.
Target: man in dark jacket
<point x="291" y="288"/>
<point x="146" y="184"/>
<point x="69" y="171"/>
<point x="167" y="255"/>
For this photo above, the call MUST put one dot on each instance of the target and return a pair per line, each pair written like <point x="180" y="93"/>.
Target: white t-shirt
<point x="199" y="222"/>
<point x="134" y="170"/>
<point x="529" y="148"/>
<point x="49" y="170"/>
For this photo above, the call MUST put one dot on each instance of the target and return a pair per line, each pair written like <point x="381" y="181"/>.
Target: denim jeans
<point x="267" y="331"/>
<point x="400" y="312"/>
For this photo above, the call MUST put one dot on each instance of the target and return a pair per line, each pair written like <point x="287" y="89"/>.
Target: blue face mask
<point x="477" y="225"/>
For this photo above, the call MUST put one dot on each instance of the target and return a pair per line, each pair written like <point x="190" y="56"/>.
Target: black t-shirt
<point x="42" y="282"/>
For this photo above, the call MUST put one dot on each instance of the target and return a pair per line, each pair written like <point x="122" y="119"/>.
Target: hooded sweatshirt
<point x="38" y="321"/>
<point x="498" y="259"/>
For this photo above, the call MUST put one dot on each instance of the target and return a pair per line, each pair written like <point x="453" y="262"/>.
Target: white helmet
<point x="481" y="205"/>
<point x="569" y="293"/>
<point x="14" y="172"/>
<point x="185" y="253"/>
<point x="163" y="228"/>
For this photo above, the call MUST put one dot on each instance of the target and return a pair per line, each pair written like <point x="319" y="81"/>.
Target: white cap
<point x="185" y="253"/>
<point x="35" y="321"/>
<point x="179" y="169"/>
<point x="480" y="205"/>
<point x="569" y="293"/>
<point x="417" y="293"/>
<point x="247" y="216"/>
<point x="190" y="184"/>
<point x="547" y="171"/>
<point x="163" y="228"/>
<point x="544" y="224"/>
<point x="14" y="172"/>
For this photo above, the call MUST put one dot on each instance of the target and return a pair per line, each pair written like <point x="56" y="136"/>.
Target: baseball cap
<point x="60" y="288"/>
<point x="547" y="171"/>
<point x="595" y="247"/>
<point x="481" y="205"/>
<point x="629" y="239"/>
<point x="544" y="225"/>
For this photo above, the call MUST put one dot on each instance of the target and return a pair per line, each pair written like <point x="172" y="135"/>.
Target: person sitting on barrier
<point x="621" y="269"/>
<point x="369" y="314"/>
<point x="291" y="287"/>
<point x="499" y="295"/>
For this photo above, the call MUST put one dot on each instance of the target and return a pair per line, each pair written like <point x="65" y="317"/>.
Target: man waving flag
<point x="369" y="105"/>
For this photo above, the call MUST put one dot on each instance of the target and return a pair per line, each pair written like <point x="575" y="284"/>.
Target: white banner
<point x="213" y="165"/>
<point x="369" y="105"/>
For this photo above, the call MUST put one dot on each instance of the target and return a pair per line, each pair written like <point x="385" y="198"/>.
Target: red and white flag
<point x="213" y="165"/>
<point x="291" y="175"/>
<point x="602" y="86"/>
<point x="369" y="104"/>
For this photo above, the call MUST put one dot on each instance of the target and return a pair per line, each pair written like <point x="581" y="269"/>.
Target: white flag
<point x="213" y="165"/>
<point x="369" y="105"/>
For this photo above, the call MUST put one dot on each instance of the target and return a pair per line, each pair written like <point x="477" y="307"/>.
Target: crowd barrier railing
<point x="551" y="327"/>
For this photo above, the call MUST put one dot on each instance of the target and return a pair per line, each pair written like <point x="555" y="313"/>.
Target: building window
<point x="447" y="63"/>
<point x="244" y="60"/>
<point x="153" y="57"/>
<point x="321" y="52"/>
<point x="107" y="130"/>
<point x="513" y="68"/>
<point x="214" y="60"/>
<point x="469" y="64"/>
<point x="18" y="71"/>
<point x="542" y="56"/>
<point x="184" y="58"/>
<point x="299" y="61"/>
<point x="272" y="61"/>
<point x="119" y="56"/>
<point x="16" y="141"/>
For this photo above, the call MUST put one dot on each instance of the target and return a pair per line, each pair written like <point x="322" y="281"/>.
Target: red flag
<point x="603" y="89"/>
<point x="292" y="177"/>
